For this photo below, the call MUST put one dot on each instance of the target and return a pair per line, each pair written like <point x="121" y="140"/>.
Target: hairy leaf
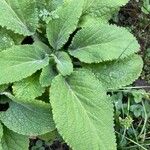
<point x="20" y="62"/>
<point x="102" y="9"/>
<point x="5" y="40"/>
<point x="51" y="136"/>
<point x="28" y="118"/>
<point x="8" y="38"/>
<point x="14" y="141"/>
<point x="43" y="4"/>
<point x="1" y="131"/>
<point x="59" y="30"/>
<point x="97" y="43"/>
<point x="63" y="63"/>
<point x="19" y="16"/>
<point x="119" y="73"/>
<point x="1" y="135"/>
<point x="82" y="112"/>
<point x="56" y="3"/>
<point x="42" y="46"/>
<point x="28" y="88"/>
<point x="48" y="5"/>
<point x="47" y="75"/>
<point x="3" y="87"/>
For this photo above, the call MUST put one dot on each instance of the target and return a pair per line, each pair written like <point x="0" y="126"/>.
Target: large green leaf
<point x="82" y="112"/>
<point x="59" y="30"/>
<point x="19" y="16"/>
<point x="63" y="63"/>
<point x="28" y="118"/>
<point x="47" y="75"/>
<point x="28" y="88"/>
<point x="14" y="141"/>
<point x="119" y="73"/>
<point x="102" y="9"/>
<point x="19" y="62"/>
<point x="99" y="42"/>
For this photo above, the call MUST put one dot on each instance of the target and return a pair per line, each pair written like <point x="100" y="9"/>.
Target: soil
<point x="56" y="145"/>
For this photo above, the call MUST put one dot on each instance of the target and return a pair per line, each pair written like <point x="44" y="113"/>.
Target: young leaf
<point x="97" y="43"/>
<point x="59" y="30"/>
<point x="19" y="62"/>
<point x="28" y="88"/>
<point x="82" y="112"/>
<point x="28" y="118"/>
<point x="47" y="74"/>
<point x="102" y="9"/>
<point x="64" y="63"/>
<point x="14" y="141"/>
<point x="19" y="16"/>
<point x="119" y="73"/>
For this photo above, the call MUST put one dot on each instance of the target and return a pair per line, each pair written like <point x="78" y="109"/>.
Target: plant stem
<point x="145" y="120"/>
<point x="133" y="141"/>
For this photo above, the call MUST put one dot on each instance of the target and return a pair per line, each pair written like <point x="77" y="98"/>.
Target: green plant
<point x="61" y="80"/>
<point x="146" y="7"/>
<point x="132" y="119"/>
<point x="146" y="70"/>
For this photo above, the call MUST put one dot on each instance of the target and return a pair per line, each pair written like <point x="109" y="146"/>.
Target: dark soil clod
<point x="4" y="107"/>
